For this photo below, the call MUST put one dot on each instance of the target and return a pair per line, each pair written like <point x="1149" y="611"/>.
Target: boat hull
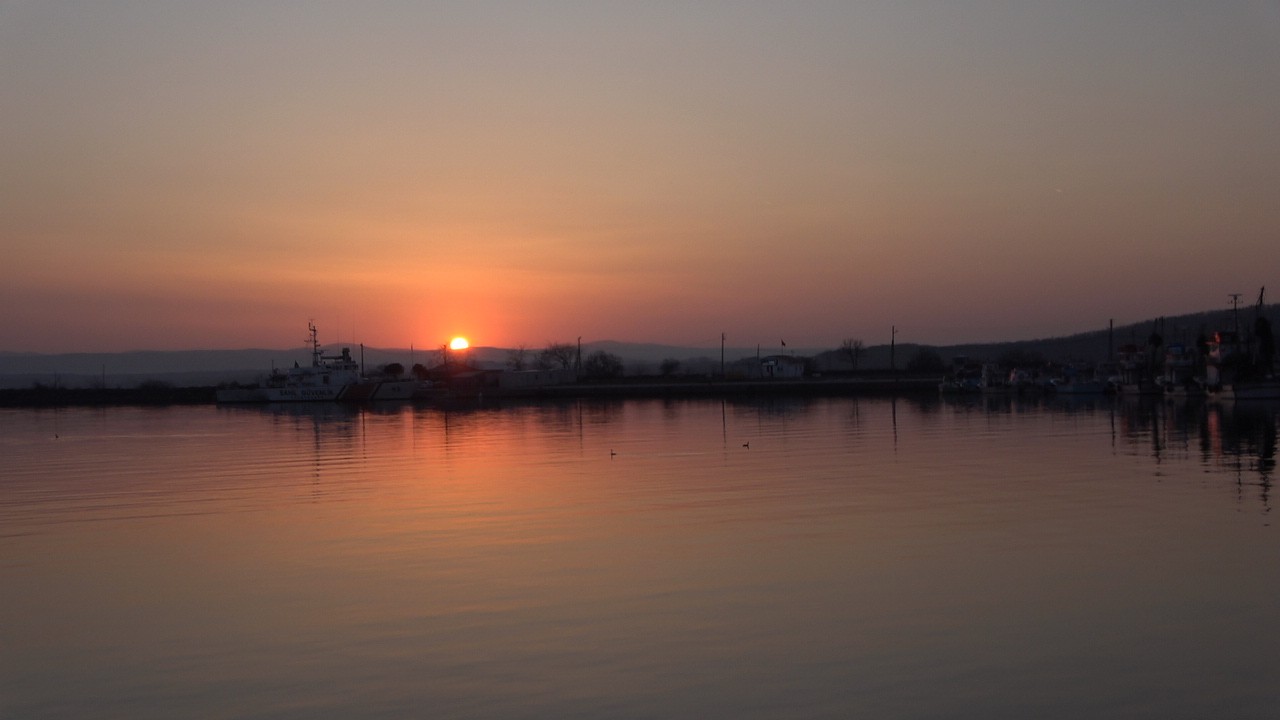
<point x="395" y="390"/>
<point x="352" y="392"/>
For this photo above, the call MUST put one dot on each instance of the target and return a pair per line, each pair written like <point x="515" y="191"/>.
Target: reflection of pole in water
<point x="724" y="425"/>
<point x="1113" y="428"/>
<point x="893" y="408"/>
<point x="1155" y="432"/>
<point x="364" y="435"/>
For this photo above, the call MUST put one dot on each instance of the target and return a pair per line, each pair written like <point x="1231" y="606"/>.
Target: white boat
<point x="328" y="378"/>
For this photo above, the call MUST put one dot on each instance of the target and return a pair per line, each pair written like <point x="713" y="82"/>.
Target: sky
<point x="192" y="175"/>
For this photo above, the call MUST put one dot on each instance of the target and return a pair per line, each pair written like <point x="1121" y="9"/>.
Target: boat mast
<point x="315" y="344"/>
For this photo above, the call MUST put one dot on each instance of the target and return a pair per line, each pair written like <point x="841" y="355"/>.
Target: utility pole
<point x="893" y="335"/>
<point x="1235" y="311"/>
<point x="721" y="356"/>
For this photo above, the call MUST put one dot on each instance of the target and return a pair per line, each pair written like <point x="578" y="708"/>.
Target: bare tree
<point x="601" y="365"/>
<point x="852" y="348"/>
<point x="518" y="358"/>
<point x="561" y="354"/>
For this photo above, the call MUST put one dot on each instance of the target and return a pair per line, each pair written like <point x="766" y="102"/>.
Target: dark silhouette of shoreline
<point x="155" y="394"/>
<point x="47" y="396"/>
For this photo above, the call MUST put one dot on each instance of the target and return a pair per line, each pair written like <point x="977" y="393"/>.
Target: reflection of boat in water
<point x="1085" y="387"/>
<point x="328" y="378"/>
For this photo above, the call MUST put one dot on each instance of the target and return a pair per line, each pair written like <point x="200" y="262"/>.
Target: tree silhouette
<point x="518" y="358"/>
<point x="601" y="365"/>
<point x="553" y="354"/>
<point x="926" y="360"/>
<point x="852" y="348"/>
<point x="1020" y="358"/>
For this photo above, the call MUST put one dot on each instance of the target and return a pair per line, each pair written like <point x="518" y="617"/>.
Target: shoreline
<point x="47" y="397"/>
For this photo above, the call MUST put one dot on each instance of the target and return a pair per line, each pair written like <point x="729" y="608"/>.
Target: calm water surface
<point x="644" y="559"/>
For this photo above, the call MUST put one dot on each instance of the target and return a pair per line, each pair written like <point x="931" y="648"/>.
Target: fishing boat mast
<point x="315" y="344"/>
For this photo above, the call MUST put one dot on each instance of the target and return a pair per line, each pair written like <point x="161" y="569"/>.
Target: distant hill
<point x="1088" y="347"/>
<point x="210" y="367"/>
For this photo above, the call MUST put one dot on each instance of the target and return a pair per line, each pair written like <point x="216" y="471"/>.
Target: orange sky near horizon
<point x="213" y="176"/>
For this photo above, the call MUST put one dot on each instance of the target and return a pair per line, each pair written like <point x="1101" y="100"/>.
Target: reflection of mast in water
<point x="364" y="430"/>
<point x="1230" y="441"/>
<point x="1267" y="461"/>
<point x="1113" y="428"/>
<point x="1242" y="438"/>
<point x="1210" y="434"/>
<point x="330" y="429"/>
<point x="315" y="447"/>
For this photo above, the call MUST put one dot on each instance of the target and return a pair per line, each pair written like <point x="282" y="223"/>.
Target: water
<point x="643" y="559"/>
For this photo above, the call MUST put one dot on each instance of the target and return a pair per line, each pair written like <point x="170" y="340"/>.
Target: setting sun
<point x="459" y="343"/>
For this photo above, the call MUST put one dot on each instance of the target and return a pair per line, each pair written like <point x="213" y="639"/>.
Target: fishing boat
<point x="1242" y="365"/>
<point x="329" y="378"/>
<point x="1101" y="380"/>
<point x="965" y="378"/>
